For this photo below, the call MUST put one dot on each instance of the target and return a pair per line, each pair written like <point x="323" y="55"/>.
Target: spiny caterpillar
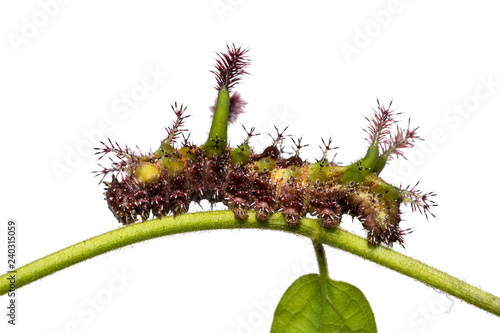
<point x="172" y="177"/>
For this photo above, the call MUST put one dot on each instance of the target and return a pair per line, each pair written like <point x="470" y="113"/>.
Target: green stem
<point x="337" y="238"/>
<point x="321" y="257"/>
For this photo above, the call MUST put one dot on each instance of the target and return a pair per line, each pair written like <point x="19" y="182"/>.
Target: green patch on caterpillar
<point x="174" y="175"/>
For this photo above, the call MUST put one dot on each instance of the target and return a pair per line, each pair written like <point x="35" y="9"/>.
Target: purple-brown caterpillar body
<point x="169" y="179"/>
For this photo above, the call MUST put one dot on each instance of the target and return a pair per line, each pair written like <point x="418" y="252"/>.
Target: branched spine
<point x="379" y="126"/>
<point x="127" y="159"/>
<point x="230" y="67"/>
<point x="175" y="130"/>
<point x="400" y="140"/>
<point x="419" y="200"/>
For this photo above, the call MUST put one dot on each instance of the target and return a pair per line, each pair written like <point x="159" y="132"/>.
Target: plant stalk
<point x="215" y="220"/>
<point x="321" y="258"/>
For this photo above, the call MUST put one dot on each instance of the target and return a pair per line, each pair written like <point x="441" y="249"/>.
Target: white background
<point x="68" y="74"/>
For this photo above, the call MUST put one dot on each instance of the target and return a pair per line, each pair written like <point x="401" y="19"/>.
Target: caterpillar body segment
<point x="265" y="183"/>
<point x="169" y="179"/>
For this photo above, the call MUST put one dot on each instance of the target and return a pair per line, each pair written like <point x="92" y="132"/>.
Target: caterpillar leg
<point x="239" y="206"/>
<point x="142" y="201"/>
<point x="291" y="199"/>
<point x="329" y="217"/>
<point x="292" y="212"/>
<point x="159" y="194"/>
<point x="263" y="192"/>
<point x="264" y="208"/>
<point x="179" y="202"/>
<point x="382" y="229"/>
<point x="237" y="192"/>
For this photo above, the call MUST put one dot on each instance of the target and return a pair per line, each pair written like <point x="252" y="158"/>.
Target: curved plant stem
<point x="321" y="258"/>
<point x="337" y="238"/>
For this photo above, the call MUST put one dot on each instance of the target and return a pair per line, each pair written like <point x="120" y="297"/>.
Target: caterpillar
<point x="169" y="179"/>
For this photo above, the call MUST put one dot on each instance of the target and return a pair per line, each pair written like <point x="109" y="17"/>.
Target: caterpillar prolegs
<point x="169" y="179"/>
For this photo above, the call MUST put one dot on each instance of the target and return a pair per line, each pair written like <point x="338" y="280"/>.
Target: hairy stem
<point x="321" y="257"/>
<point x="337" y="238"/>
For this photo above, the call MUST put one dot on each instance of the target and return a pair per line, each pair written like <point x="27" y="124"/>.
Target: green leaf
<point x="318" y="304"/>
